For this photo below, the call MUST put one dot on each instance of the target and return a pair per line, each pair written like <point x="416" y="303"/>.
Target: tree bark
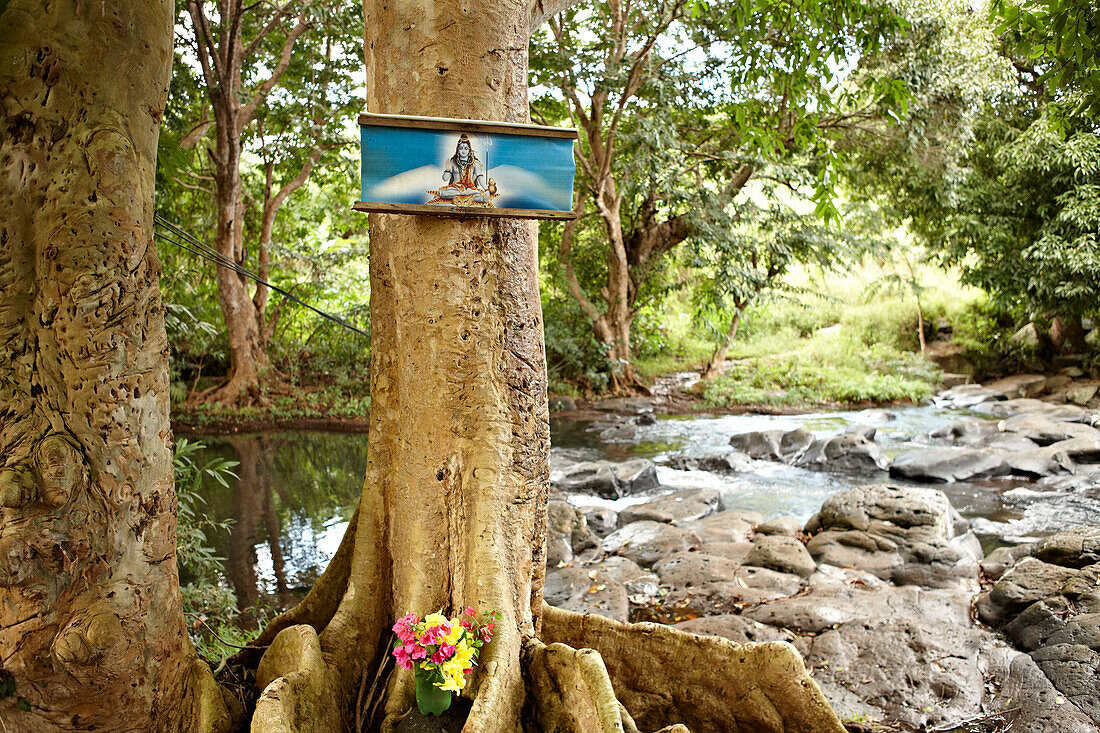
<point x="453" y="509"/>
<point x="91" y="626"/>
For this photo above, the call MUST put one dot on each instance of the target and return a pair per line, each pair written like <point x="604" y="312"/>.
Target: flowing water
<point x="297" y="490"/>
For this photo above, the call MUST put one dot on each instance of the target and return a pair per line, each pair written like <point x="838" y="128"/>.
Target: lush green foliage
<point x="1057" y="44"/>
<point x="209" y="604"/>
<point x="318" y="247"/>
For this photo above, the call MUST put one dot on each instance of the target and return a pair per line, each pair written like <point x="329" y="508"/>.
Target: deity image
<point x="464" y="179"/>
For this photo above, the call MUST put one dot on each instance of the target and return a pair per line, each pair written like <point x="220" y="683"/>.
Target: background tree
<point x="90" y="622"/>
<point x="996" y="175"/>
<point x="678" y="105"/>
<point x="743" y="257"/>
<point x="273" y="78"/>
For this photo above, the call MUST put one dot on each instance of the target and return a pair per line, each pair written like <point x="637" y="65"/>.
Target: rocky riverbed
<point x="885" y="590"/>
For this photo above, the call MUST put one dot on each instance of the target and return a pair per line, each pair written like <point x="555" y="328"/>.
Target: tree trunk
<point x="248" y="358"/>
<point x="453" y="509"/>
<point x="91" y="626"/>
<point x="722" y="350"/>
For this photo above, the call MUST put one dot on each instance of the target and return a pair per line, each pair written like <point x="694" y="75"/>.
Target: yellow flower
<point x="434" y="619"/>
<point x="456" y="634"/>
<point x="452" y="684"/>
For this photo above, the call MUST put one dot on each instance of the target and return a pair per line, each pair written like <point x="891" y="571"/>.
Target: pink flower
<point x="445" y="652"/>
<point x="402" y="655"/>
<point x="487" y="632"/>
<point x="469" y="610"/>
<point x="466" y="624"/>
<point x="435" y="634"/>
<point x="404" y="628"/>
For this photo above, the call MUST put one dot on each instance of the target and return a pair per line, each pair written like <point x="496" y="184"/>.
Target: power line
<point x="174" y="234"/>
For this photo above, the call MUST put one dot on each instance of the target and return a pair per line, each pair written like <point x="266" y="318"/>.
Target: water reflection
<point x="295" y="494"/>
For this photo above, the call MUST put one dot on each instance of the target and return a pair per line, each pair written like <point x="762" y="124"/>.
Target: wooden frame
<point x="402" y="156"/>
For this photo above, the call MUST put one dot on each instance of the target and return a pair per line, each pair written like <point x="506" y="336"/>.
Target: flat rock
<point x="1073" y="548"/>
<point x="948" y="464"/>
<point x="920" y="673"/>
<point x="1042" y="709"/>
<point x="736" y="551"/>
<point x="647" y="542"/>
<point x="826" y="607"/>
<point x="586" y="590"/>
<point x="781" y="525"/>
<point x="1061" y="413"/>
<point x="637" y="580"/>
<point x="727" y="463"/>
<point x="736" y="628"/>
<point x="601" y="520"/>
<point x="1039" y="462"/>
<point x="1074" y="670"/>
<point x="679" y="506"/>
<point x="725" y="526"/>
<point x="626" y="405"/>
<point x="1043" y="430"/>
<point x="782" y="553"/>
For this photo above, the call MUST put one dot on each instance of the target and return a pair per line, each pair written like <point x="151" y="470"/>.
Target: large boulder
<point x="647" y="542"/>
<point x="907" y="535"/>
<point x="902" y="506"/>
<point x="774" y="445"/>
<point x="948" y="464"/>
<point x="679" y="506"/>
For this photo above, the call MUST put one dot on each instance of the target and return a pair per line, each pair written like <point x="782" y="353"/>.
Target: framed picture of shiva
<point x="465" y="168"/>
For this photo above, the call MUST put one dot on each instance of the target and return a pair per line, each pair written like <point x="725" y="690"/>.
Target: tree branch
<point x="249" y="110"/>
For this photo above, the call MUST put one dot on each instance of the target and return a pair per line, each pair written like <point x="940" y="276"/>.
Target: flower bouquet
<point x="443" y="652"/>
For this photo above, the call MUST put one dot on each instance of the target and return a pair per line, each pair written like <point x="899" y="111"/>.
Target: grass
<point x="824" y="374"/>
<point x="838" y="339"/>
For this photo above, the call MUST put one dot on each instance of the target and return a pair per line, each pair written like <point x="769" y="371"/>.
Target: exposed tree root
<point x="297" y="687"/>
<point x="664" y="676"/>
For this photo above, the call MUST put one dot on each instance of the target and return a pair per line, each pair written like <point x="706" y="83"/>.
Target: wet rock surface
<point x="877" y="589"/>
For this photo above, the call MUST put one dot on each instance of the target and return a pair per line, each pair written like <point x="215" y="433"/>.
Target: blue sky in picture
<point x="400" y="165"/>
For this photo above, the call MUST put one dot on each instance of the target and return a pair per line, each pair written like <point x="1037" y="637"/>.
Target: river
<point x="297" y="490"/>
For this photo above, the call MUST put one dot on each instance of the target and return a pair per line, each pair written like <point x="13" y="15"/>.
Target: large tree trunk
<point x="453" y="510"/>
<point x="91" y="626"/>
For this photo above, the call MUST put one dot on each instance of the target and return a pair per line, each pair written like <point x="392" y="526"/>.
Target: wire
<point x="173" y="234"/>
